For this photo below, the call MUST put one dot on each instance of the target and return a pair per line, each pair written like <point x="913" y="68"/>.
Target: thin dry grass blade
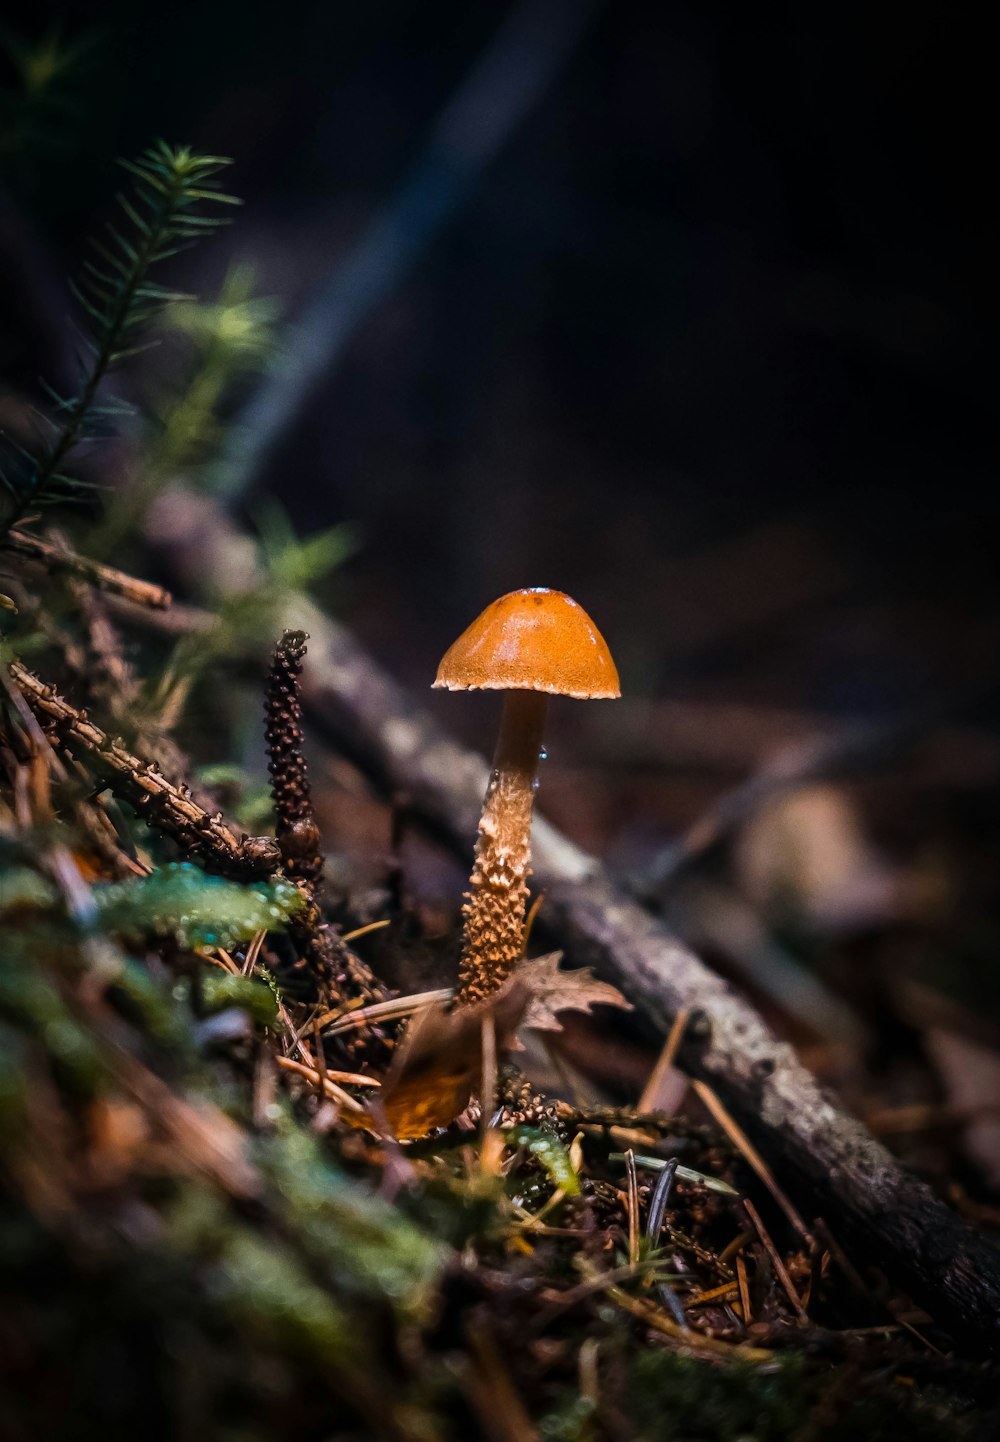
<point x="744" y="1285"/>
<point x="665" y="1061"/>
<point x="778" y="1265"/>
<point x="632" y="1181"/>
<point x="743" y="1144"/>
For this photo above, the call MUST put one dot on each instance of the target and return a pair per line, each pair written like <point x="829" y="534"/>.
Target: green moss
<point x="571" y="1420"/>
<point x="148" y="1006"/>
<point x="265" y="1289"/>
<point x="220" y="989"/>
<point x="550" y="1153"/>
<point x="20" y="886"/>
<point x="364" y="1246"/>
<point x="676" y="1399"/>
<point x="181" y="902"/>
<point x="32" y="1002"/>
<point x="12" y="1080"/>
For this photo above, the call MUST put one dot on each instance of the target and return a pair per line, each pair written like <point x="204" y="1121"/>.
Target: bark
<point x="827" y="1156"/>
<point x="821" y="1152"/>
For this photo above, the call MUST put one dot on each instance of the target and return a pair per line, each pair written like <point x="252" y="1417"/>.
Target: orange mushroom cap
<point x="532" y="640"/>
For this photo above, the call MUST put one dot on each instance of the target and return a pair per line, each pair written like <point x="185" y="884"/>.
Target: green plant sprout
<point x="223" y="342"/>
<point x="165" y="212"/>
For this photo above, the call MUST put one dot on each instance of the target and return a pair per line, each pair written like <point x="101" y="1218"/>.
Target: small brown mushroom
<point x="531" y="644"/>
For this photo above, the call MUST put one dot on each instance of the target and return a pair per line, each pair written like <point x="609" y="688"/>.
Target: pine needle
<point x="164" y="213"/>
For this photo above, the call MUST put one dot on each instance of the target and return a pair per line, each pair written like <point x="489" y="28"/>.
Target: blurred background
<point x="682" y="309"/>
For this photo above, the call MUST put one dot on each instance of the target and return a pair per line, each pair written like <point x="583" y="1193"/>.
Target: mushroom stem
<point x="496" y="903"/>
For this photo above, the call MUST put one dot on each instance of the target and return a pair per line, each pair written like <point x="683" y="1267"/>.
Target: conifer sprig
<point x="164" y="213"/>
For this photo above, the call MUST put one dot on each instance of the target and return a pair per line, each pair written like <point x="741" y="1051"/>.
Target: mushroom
<point x="531" y="645"/>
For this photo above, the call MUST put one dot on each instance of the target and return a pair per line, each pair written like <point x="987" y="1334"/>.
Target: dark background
<point x="707" y="342"/>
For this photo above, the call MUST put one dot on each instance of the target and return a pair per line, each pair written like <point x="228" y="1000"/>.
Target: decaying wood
<point x="830" y="1156"/>
<point x="875" y="1204"/>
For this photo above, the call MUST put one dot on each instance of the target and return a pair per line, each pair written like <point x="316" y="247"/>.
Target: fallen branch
<point x="896" y="1219"/>
<point x="850" y="1178"/>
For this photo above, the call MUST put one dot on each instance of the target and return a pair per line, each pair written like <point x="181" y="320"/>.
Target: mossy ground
<point x="193" y="1245"/>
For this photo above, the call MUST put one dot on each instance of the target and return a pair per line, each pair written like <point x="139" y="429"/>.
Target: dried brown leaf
<point x="552" y="991"/>
<point x="436" y="1067"/>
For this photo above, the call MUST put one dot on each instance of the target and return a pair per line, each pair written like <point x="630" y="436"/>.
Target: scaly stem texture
<point x="296" y="830"/>
<point x="496" y="904"/>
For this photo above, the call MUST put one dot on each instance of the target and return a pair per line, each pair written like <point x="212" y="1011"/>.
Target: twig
<point x="162" y="804"/>
<point x="488" y="1084"/>
<point x="741" y="1277"/>
<point x="315" y="1076"/>
<point x="942" y="1262"/>
<point x="632" y="1193"/>
<point x="103" y="674"/>
<point x="253" y="952"/>
<point x="776" y="1262"/>
<point x="58" y="558"/>
<point x="665" y="1062"/>
<point x="343" y="1019"/>
<point x="714" y="1294"/>
<point x="594" y="1282"/>
<point x="686" y="1337"/>
<point x="742" y="1142"/>
<point x="321" y="1072"/>
<point x="885" y="1211"/>
<point x="30" y="721"/>
<point x="364" y="930"/>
